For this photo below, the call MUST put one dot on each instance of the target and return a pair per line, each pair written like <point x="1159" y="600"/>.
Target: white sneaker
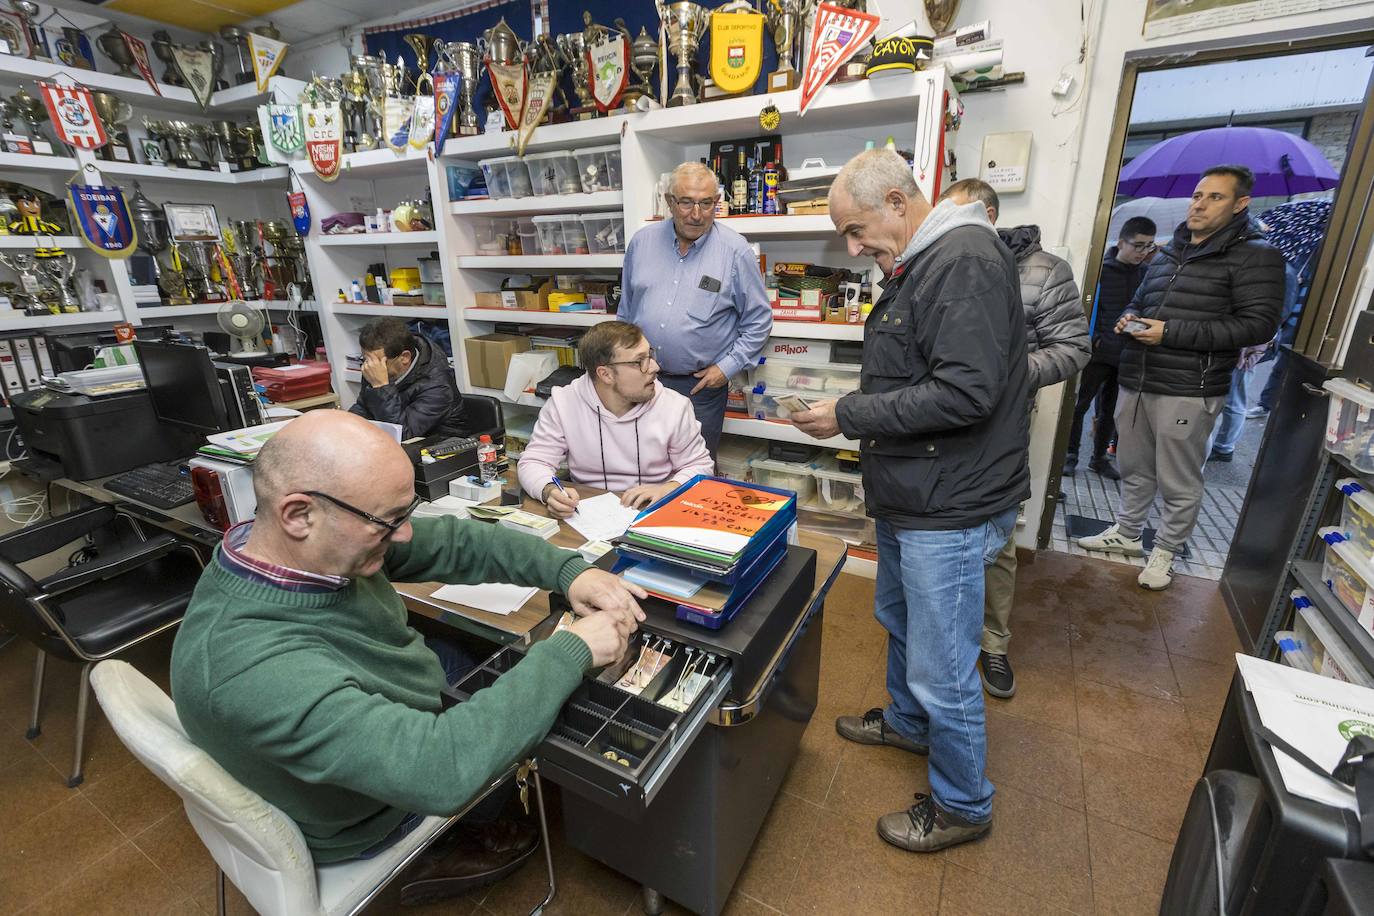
<point x="1157" y="574"/>
<point x="1113" y="541"/>
<point x="1256" y="413"/>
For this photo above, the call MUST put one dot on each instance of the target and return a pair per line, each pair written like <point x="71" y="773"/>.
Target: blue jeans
<point x="1232" y="423"/>
<point x="708" y="404"/>
<point x="929" y="598"/>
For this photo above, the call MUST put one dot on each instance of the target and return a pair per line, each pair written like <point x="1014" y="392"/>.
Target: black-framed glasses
<point x="642" y="363"/>
<point x="391" y="527"/>
<point x="1142" y="246"/>
<point x="687" y="205"/>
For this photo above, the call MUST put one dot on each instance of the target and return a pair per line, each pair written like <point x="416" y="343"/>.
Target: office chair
<point x="129" y="589"/>
<point x="483" y="415"/>
<point x="259" y="848"/>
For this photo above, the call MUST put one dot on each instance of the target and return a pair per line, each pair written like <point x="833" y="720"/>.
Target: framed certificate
<point x="192" y="222"/>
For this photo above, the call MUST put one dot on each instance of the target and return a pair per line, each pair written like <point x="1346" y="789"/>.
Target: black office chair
<point x="129" y="589"/>
<point x="482" y="415"/>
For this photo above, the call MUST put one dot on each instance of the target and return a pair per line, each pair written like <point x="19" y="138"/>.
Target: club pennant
<point x="538" y="97"/>
<point x="446" y="86"/>
<point x="139" y="52"/>
<point x="422" y="121"/>
<point x="197" y="69"/>
<point x="103" y="219"/>
<point x="284" y="128"/>
<point x="72" y="112"/>
<point x="323" y="138"/>
<point x="266" y="54"/>
<point x="736" y="50"/>
<point x="608" y="64"/>
<point x="300" y="212"/>
<point x="509" y="81"/>
<point x="836" y="35"/>
<point x="396" y="114"/>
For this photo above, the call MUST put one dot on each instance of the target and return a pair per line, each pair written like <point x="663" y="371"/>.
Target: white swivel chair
<point x="259" y="848"/>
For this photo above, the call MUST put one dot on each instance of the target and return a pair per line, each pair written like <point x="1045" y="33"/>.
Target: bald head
<point x="330" y="450"/>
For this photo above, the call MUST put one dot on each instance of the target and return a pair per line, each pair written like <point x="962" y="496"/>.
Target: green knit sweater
<point x="328" y="705"/>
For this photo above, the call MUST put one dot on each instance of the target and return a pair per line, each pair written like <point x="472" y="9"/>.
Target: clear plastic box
<point x="1336" y="660"/>
<point x="605" y="232"/>
<point x="762" y="402"/>
<point x="852" y="529"/>
<point x="1349" y="576"/>
<point x="506" y="176"/>
<point x="1357" y="515"/>
<point x="560" y="234"/>
<point x="553" y="173"/>
<point x="733" y="457"/>
<point x="1350" y="423"/>
<point x="598" y="168"/>
<point x="808" y="378"/>
<point x="839" y="491"/>
<point x="785" y="476"/>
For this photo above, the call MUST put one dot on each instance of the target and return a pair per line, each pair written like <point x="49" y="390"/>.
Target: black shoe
<point x="1070" y="466"/>
<point x="871" y="728"/>
<point x="1224" y="457"/>
<point x="926" y="827"/>
<point x="998" y="678"/>
<point x="469" y="856"/>
<point x="1104" y="467"/>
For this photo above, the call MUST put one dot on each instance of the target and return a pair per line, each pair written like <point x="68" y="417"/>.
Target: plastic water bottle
<point x="486" y="459"/>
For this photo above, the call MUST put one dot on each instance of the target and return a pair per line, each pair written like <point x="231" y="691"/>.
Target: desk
<point x="328" y="399"/>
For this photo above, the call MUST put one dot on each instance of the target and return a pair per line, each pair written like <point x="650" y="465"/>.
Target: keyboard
<point x="159" y="485"/>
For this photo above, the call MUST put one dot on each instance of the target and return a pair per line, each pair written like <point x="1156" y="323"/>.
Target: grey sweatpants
<point x="1162" y="445"/>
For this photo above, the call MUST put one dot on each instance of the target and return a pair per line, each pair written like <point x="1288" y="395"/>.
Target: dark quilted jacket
<point x="1214" y="299"/>
<point x="1056" y="331"/>
<point x="1115" y="290"/>
<point x="425" y="403"/>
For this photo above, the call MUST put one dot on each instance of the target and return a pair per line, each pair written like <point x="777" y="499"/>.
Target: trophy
<point x="544" y="56"/>
<point x="114" y="112"/>
<point x="26" y="11"/>
<point x="248" y="146"/>
<point x="573" y="47"/>
<point x="286" y="264"/>
<point x="60" y="270"/>
<point x="181" y="134"/>
<point x="246" y="257"/>
<point x="162" y="49"/>
<point x="151" y="224"/>
<point x="785" y="18"/>
<point x="237" y="39"/>
<point x="466" y="59"/>
<point x="419" y="43"/>
<point x="643" y="59"/>
<point x="35" y="116"/>
<point x="354" y="103"/>
<point x="685" y="23"/>
<point x="25" y="267"/>
<point x="114" y="47"/>
<point x="501" y="44"/>
<point x="216" y="63"/>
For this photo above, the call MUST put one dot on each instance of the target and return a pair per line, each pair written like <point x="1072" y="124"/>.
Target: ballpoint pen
<point x="559" y="484"/>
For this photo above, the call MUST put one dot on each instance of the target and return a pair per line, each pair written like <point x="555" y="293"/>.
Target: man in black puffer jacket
<point x="407" y="381"/>
<point x="1215" y="288"/>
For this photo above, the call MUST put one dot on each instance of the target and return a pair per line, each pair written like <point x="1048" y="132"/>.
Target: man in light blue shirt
<point x="695" y="290"/>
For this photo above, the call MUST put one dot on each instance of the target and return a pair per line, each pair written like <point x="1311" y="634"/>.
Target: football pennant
<point x="197" y="70"/>
<point x="139" y="52"/>
<point x="538" y="96"/>
<point x="396" y="112"/>
<point x="446" y="86"/>
<point x="266" y="54"/>
<point x="509" y="81"/>
<point x="736" y="50"/>
<point x="836" y="35"/>
<point x="284" y="128"/>
<point x="103" y="219"/>
<point x="300" y="212"/>
<point x="73" y="114"/>
<point x="422" y="121"/>
<point x="608" y="64"/>
<point x="323" y="138"/>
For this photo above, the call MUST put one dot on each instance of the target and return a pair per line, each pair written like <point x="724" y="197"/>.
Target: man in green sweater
<point x="296" y="670"/>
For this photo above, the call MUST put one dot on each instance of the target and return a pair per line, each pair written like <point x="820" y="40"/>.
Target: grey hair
<point x="689" y="170"/>
<point x="869" y="176"/>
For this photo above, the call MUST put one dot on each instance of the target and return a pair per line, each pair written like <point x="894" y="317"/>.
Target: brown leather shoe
<point x="467" y="857"/>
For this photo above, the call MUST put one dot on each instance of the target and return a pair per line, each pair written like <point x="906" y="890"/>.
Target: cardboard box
<point x="489" y="357"/>
<point x="516" y="299"/>
<point x="791" y="311"/>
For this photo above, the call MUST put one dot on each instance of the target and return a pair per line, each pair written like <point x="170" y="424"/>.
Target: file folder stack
<point x="708" y="545"/>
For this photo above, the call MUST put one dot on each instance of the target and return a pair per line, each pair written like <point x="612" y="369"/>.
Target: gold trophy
<point x="685" y="22"/>
<point x="114" y="113"/>
<point x="643" y="60"/>
<point x="785" y="19"/>
<point x="419" y="43"/>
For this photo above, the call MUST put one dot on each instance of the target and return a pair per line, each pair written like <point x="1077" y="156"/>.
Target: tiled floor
<point x="1093" y="762"/>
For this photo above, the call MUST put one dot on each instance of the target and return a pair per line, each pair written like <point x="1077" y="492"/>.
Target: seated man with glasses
<point x="296" y="670"/>
<point x="617" y="427"/>
<point x="696" y="290"/>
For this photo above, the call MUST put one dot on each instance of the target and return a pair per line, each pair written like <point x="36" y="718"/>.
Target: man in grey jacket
<point x="1059" y="346"/>
<point x="941" y="417"/>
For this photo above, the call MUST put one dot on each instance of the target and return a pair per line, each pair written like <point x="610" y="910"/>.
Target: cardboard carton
<point x="489" y="356"/>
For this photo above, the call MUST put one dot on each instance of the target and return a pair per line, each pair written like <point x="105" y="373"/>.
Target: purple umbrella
<point x="1284" y="164"/>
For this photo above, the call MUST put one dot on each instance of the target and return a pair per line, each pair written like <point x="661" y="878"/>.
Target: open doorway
<point x="1289" y="116"/>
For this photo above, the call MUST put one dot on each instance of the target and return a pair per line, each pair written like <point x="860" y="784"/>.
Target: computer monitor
<point x="183" y="385"/>
<point x="76" y="350"/>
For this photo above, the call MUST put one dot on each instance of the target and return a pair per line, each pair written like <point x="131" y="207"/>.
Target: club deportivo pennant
<point x="300" y="212"/>
<point x="538" y="96"/>
<point x="197" y="70"/>
<point x="736" y="50"/>
<point x="323" y="138"/>
<point x="446" y="86"/>
<point x="422" y="121"/>
<point x="139" y="52"/>
<point x="837" y="34"/>
<point x="103" y="219"/>
<point x="72" y="112"/>
<point x="509" y="81"/>
<point x="607" y="64"/>
<point x="396" y="112"/>
<point x="284" y="128"/>
<point x="266" y="54"/>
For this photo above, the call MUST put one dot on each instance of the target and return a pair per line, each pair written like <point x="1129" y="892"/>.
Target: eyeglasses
<point x="642" y="363"/>
<point x="687" y="205"/>
<point x="391" y="527"/>
<point x="1142" y="246"/>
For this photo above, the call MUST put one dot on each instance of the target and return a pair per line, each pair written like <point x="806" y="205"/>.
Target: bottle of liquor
<point x="739" y="189"/>
<point x="755" y="186"/>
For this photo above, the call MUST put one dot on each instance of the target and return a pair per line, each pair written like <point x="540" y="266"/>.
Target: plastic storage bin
<point x="560" y="234"/>
<point x="839" y="491"/>
<point x="598" y="168"/>
<point x="762" y="403"/>
<point x="1349" y="576"/>
<point x="785" y="476"/>
<point x="506" y="176"/>
<point x="605" y="232"/>
<point x="1357" y="515"/>
<point x="1350" y="423"/>
<point x="852" y="529"/>
<point x="1336" y="660"/>
<point x="733" y="457"/>
<point x="808" y="378"/>
<point x="553" y="173"/>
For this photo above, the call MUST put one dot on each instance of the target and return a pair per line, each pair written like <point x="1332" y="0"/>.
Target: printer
<point x="91" y="437"/>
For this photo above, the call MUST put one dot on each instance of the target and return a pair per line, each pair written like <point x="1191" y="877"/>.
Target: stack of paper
<point x="711" y="522"/>
<point x="602" y="518"/>
<point x="492" y="597"/>
<point x="240" y="444"/>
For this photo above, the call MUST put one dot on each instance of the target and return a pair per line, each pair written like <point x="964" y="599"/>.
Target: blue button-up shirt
<point x="705" y="307"/>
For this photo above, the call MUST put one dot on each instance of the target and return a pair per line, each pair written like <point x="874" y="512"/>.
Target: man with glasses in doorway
<point x="696" y="290"/>
<point x="296" y="670"/>
<point x="617" y="428"/>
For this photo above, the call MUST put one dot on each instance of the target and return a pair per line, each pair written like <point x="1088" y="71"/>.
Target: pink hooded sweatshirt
<point x="655" y="441"/>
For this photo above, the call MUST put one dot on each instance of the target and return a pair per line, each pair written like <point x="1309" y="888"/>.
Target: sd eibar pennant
<point x="103" y="219"/>
<point x="736" y="50"/>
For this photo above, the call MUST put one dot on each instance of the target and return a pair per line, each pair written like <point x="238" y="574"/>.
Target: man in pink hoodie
<point x="617" y="427"/>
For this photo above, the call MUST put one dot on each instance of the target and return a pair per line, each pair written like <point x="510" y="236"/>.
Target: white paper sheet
<point x="492" y="597"/>
<point x="601" y="518"/>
